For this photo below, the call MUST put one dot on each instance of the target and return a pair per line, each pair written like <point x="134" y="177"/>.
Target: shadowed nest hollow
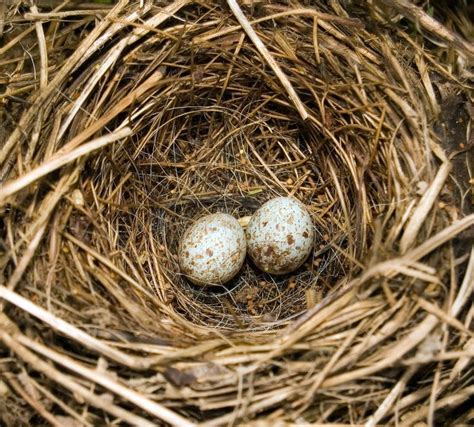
<point x="124" y="124"/>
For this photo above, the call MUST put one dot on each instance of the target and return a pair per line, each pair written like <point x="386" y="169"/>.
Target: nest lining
<point x="213" y="130"/>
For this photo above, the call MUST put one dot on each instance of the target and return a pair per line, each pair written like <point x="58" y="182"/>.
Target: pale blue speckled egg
<point x="212" y="250"/>
<point x="280" y="235"/>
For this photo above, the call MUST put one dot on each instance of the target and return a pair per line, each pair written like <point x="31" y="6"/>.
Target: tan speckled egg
<point x="212" y="250"/>
<point x="280" y="235"/>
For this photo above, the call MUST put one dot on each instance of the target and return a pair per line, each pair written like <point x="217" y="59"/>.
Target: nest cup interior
<point x="213" y="130"/>
<point x="217" y="134"/>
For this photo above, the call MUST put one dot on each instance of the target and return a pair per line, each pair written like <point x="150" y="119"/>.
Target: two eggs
<point x="279" y="238"/>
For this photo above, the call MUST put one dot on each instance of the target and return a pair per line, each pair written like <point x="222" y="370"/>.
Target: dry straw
<point x="123" y="124"/>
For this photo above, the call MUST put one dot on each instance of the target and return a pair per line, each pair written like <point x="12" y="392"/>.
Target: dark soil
<point x="457" y="139"/>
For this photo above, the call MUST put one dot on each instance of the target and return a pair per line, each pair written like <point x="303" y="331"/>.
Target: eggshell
<point x="212" y="250"/>
<point x="280" y="235"/>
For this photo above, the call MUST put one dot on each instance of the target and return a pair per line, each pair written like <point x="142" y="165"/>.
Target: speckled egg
<point x="212" y="250"/>
<point x="280" y="235"/>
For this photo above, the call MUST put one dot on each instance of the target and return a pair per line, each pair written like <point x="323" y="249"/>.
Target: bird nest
<point x="124" y="124"/>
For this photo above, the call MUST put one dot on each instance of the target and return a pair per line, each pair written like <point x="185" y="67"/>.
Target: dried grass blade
<point x="247" y="27"/>
<point x="418" y="15"/>
<point x="67" y="329"/>
<point x="388" y="402"/>
<point x="467" y="287"/>
<point x="42" y="50"/>
<point x="91" y="84"/>
<point x="424" y="206"/>
<point x="71" y="383"/>
<point x="439" y="239"/>
<point x="444" y="317"/>
<point x="113" y="112"/>
<point x="58" y="161"/>
<point x="29" y="115"/>
<point x="106" y="381"/>
<point x="35" y="403"/>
